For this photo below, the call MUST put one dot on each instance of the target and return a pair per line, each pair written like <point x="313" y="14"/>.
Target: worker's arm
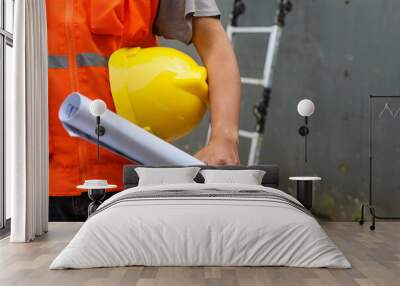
<point x="217" y="55"/>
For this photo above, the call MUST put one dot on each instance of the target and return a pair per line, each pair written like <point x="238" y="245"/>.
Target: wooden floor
<point x="375" y="257"/>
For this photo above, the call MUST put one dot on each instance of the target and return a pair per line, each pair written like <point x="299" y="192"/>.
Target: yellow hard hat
<point x="160" y="89"/>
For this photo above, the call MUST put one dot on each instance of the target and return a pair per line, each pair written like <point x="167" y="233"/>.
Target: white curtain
<point x="27" y="124"/>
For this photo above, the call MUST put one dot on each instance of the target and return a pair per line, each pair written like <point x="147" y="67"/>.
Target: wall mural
<point x="338" y="76"/>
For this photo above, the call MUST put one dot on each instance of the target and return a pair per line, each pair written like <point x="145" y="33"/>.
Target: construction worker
<point x="82" y="34"/>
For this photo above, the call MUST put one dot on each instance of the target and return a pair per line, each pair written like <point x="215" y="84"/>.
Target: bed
<point x="198" y="224"/>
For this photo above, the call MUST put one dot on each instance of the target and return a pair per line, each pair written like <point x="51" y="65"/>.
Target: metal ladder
<point x="260" y="109"/>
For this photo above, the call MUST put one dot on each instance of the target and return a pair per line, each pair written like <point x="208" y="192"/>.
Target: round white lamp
<point x="97" y="108"/>
<point x="305" y="108"/>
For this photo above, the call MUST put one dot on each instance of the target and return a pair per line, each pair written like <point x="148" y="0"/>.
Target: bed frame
<point x="271" y="177"/>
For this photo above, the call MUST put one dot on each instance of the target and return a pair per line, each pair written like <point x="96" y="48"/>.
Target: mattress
<point x="201" y="225"/>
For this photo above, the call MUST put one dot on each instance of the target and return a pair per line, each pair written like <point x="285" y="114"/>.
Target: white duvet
<point x="190" y="231"/>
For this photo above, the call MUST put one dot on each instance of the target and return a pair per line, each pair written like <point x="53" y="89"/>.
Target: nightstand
<point x="305" y="189"/>
<point x="96" y="192"/>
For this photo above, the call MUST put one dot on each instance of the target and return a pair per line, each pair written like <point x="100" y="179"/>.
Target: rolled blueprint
<point x="121" y="136"/>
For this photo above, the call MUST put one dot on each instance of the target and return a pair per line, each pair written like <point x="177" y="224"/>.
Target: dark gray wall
<point x="337" y="53"/>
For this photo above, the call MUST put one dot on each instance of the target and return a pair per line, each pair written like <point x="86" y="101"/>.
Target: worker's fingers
<point x="215" y="156"/>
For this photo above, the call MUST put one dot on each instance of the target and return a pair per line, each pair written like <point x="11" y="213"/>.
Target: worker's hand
<point x="219" y="152"/>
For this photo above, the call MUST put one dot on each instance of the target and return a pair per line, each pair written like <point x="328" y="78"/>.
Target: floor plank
<point x="375" y="256"/>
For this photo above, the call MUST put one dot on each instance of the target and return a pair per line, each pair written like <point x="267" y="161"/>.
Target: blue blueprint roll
<point x="122" y="136"/>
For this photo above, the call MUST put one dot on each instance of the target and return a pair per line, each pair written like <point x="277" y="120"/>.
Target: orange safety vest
<point x="82" y="34"/>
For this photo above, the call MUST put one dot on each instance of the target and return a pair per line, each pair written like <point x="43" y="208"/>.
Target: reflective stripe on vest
<point x="82" y="60"/>
<point x="58" y="62"/>
<point x="91" y="60"/>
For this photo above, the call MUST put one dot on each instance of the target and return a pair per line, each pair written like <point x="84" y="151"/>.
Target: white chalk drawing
<point x="387" y="110"/>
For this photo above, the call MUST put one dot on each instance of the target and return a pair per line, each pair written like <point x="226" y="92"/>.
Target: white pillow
<point x="248" y="177"/>
<point x="163" y="176"/>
